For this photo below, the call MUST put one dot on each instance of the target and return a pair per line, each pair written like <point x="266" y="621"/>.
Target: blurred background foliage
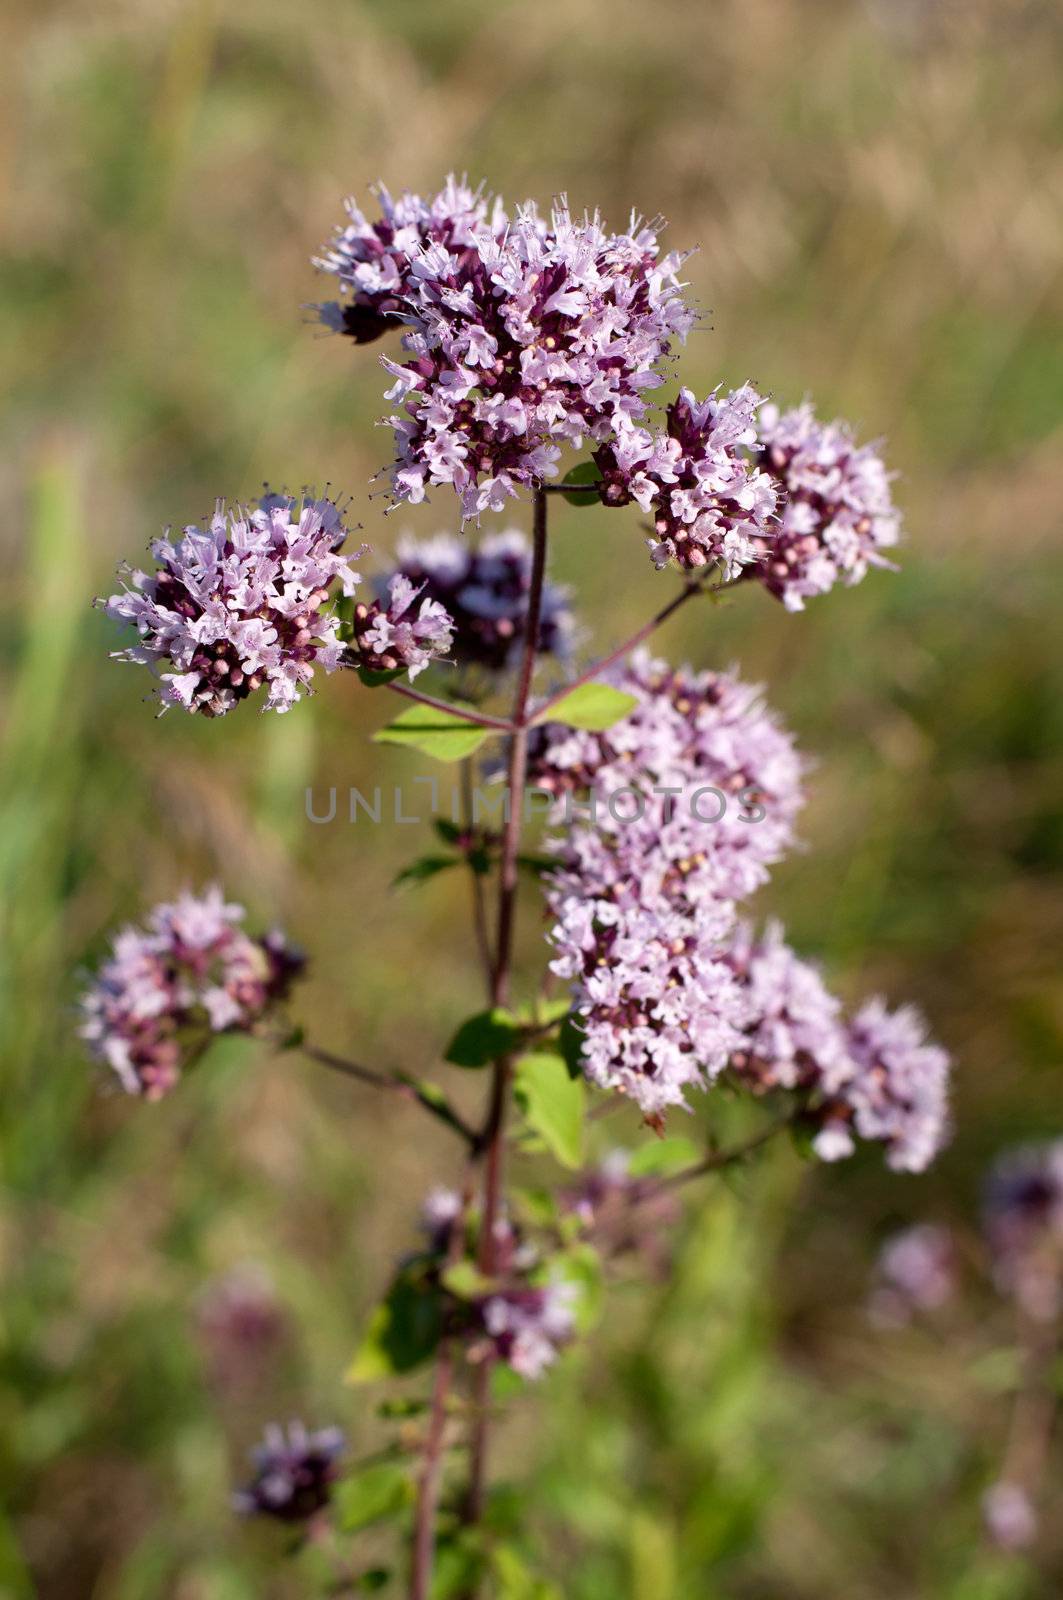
<point x="877" y="193"/>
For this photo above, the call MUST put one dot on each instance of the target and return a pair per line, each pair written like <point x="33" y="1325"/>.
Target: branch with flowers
<point x="672" y="793"/>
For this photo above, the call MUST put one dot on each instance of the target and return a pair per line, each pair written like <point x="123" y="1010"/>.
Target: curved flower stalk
<point x="673" y="793"/>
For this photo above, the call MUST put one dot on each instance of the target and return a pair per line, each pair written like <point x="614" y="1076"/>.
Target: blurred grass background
<point x="877" y="192"/>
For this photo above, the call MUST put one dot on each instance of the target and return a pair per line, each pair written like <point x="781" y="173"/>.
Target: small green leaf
<point x="553" y="1104"/>
<point x="535" y="865"/>
<point x="425" y="867"/>
<point x="465" y="1280"/>
<point x="373" y="680"/>
<point x="443" y="734"/>
<point x="587" y="474"/>
<point x="377" y="1492"/>
<point x="592" y="706"/>
<point x="662" y="1157"/>
<point x="484" y="1038"/>
<point x="570" y="1044"/>
<point x="542" y="1013"/>
<point x="448" y="831"/>
<point x="403" y="1331"/>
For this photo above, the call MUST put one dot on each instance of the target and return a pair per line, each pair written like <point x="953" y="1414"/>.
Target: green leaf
<point x="373" y="680"/>
<point x="586" y="473"/>
<point x="593" y="706"/>
<point x="570" y="1044"/>
<point x="423" y="868"/>
<point x="465" y="1280"/>
<point x="448" y="831"/>
<point x="377" y="1492"/>
<point x="553" y="1104"/>
<point x="484" y="1038"/>
<point x="662" y="1157"/>
<point x="402" y="1332"/>
<point x="443" y="734"/>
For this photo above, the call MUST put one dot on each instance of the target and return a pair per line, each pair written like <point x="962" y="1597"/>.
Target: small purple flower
<point x="708" y="501"/>
<point x="1023" y="1221"/>
<point x="374" y="260"/>
<point x="294" y="1473"/>
<point x="836" y="511"/>
<point x="484" y="590"/>
<point x="915" y="1273"/>
<point x="441" y="1210"/>
<point x="528" y="1326"/>
<point x="168" y="987"/>
<point x="1009" y="1516"/>
<point x="241" y="604"/>
<point x="402" y="634"/>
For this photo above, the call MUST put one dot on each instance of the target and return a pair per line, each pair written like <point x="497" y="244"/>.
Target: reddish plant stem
<point x="479" y="903"/>
<point x="406" y="1088"/>
<point x="690" y="589"/>
<point x="493" y="1138"/>
<point x="463" y="713"/>
<point x="428" y="1482"/>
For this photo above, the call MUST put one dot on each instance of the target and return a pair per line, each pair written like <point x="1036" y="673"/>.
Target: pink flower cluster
<point x="643" y="907"/>
<point x="248" y="601"/>
<point x="670" y="990"/>
<point x="708" y="502"/>
<point x="915" y="1273"/>
<point x="525" y="1320"/>
<point x="836" y="511"/>
<point x="524" y="334"/>
<point x="874" y="1077"/>
<point x="484" y="590"/>
<point x="166" y="988"/>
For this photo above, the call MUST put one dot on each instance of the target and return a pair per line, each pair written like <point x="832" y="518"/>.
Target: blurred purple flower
<point x="1009" y="1517"/>
<point x="167" y="987"/>
<point x="915" y="1272"/>
<point x="484" y="589"/>
<point x="1023" y="1220"/>
<point x="294" y="1473"/>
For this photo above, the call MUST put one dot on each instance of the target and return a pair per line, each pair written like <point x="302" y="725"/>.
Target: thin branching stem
<point x="428" y="1098"/>
<point x="480" y="719"/>
<point x="688" y="592"/>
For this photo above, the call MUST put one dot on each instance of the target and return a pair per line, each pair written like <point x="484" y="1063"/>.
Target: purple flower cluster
<point x="836" y="511"/>
<point x="915" y="1273"/>
<point x="241" y="603"/>
<point x="523" y="335"/>
<point x="528" y="1326"/>
<point x="643" y="908"/>
<point x="168" y="987"/>
<point x="874" y="1077"/>
<point x="398" y="634"/>
<point x="709" y="503"/>
<point x="484" y="590"/>
<point x="294" y="1473"/>
<point x="692" y="737"/>
<point x="524" y="1321"/>
<point x="1023" y="1221"/>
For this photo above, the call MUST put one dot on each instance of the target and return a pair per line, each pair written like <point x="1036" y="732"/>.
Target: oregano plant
<point x="525" y="354"/>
